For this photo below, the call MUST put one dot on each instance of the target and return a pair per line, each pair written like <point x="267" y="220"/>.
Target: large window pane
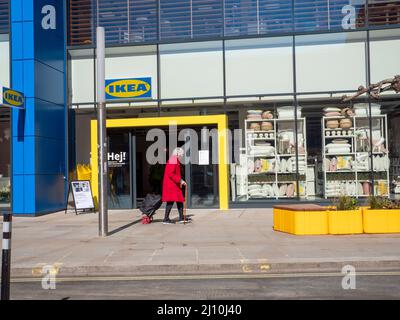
<point x="142" y="20"/>
<point x="191" y="70"/>
<point x="259" y="66"/>
<point x="128" y="21"/>
<point x="257" y="16"/>
<point x="333" y="62"/>
<point x="5" y="168"/>
<point x="4" y="16"/>
<point x="272" y="161"/>
<point x="81" y="22"/>
<point x="133" y="62"/>
<point x="207" y="18"/>
<point x="175" y="19"/>
<point x="4" y="63"/>
<point x="314" y="15"/>
<point x="346" y="156"/>
<point x="113" y="16"/>
<point x="82" y="78"/>
<point x="383" y="13"/>
<point x="384" y="52"/>
<point x="5" y="131"/>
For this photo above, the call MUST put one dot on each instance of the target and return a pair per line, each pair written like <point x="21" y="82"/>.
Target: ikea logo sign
<point x="11" y="98"/>
<point x="128" y="88"/>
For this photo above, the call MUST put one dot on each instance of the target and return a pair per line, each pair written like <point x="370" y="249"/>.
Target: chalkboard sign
<point x="82" y="194"/>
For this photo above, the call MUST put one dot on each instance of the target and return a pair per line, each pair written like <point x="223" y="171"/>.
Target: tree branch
<point x="375" y="89"/>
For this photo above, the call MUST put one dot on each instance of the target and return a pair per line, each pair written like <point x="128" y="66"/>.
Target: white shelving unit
<point x="276" y="177"/>
<point x="350" y="184"/>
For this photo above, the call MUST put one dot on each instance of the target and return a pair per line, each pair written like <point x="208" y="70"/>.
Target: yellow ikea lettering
<point x="129" y="88"/>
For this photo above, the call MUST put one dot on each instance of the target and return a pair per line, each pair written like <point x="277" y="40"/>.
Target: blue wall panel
<point x="29" y="194"/>
<point x="18" y="159"/>
<point x="39" y="132"/>
<point x="18" y="193"/>
<point x="16" y="10"/>
<point x="45" y="111"/>
<point x="29" y="78"/>
<point x="49" y="90"/>
<point x="28" y="48"/>
<point x="46" y="160"/>
<point x="52" y="184"/>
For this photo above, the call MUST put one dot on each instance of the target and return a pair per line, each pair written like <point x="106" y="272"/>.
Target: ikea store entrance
<point x="134" y="169"/>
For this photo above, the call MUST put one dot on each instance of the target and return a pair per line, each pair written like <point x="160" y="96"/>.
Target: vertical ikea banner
<point x="39" y="156"/>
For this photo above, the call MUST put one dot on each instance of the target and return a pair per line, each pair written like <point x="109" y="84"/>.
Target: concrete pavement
<point x="217" y="242"/>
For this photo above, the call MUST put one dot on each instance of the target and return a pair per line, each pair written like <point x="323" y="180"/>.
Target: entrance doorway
<point x="132" y="176"/>
<point x="220" y="121"/>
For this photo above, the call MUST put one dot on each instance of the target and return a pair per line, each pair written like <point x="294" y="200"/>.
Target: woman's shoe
<point x="185" y="221"/>
<point x="168" y="222"/>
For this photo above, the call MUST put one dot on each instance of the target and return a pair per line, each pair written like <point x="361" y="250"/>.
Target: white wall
<point x="385" y="62"/>
<point x="137" y="66"/>
<point x="191" y="71"/>
<point x="258" y="70"/>
<point x="83" y="82"/>
<point x="4" y="64"/>
<point x="330" y="67"/>
<point x="131" y="66"/>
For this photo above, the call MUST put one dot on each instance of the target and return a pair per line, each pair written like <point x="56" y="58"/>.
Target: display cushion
<point x="340" y="141"/>
<point x="332" y="109"/>
<point x="255" y="187"/>
<point x="332" y="114"/>
<point x="338" y="145"/>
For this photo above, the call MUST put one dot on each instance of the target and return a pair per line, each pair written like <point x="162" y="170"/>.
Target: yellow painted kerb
<point x="220" y="120"/>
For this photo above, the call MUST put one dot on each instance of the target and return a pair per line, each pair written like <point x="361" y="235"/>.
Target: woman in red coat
<point x="172" y="185"/>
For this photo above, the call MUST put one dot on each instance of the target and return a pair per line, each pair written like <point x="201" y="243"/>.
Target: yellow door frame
<point x="222" y="125"/>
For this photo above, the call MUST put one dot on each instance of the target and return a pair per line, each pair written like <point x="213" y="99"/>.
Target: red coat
<point x="171" y="191"/>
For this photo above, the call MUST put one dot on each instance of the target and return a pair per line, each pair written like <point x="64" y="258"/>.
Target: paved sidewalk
<point x="234" y="241"/>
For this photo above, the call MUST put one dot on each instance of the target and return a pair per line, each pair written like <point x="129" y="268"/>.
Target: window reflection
<point x="5" y="170"/>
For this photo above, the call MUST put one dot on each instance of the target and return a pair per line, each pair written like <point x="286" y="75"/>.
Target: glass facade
<point x="282" y="96"/>
<point x="4" y="16"/>
<point x="277" y="69"/>
<point x="132" y="21"/>
<point x="5" y="145"/>
<point x="5" y="130"/>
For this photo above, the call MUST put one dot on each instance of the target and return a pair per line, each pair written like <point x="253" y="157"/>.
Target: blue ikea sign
<point x="128" y="88"/>
<point x="11" y="98"/>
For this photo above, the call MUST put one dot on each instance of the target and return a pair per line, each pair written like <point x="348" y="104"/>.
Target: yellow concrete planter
<point x="345" y="222"/>
<point x="381" y="221"/>
<point x="301" y="222"/>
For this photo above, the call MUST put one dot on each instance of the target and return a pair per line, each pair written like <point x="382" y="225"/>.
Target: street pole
<point x="6" y="258"/>
<point x="102" y="134"/>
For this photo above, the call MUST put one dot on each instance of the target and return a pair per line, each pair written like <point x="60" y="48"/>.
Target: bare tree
<point x="375" y="89"/>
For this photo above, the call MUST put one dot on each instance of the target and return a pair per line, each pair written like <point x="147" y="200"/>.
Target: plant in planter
<point x="382" y="216"/>
<point x="345" y="217"/>
<point x="343" y="203"/>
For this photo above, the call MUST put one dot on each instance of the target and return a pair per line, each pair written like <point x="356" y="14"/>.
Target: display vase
<point x="381" y="220"/>
<point x="345" y="222"/>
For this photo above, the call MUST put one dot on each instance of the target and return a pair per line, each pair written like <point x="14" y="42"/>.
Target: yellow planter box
<point x="301" y="222"/>
<point x="381" y="221"/>
<point x="345" y="222"/>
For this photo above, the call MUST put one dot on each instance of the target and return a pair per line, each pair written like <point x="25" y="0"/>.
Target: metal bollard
<point x="6" y="259"/>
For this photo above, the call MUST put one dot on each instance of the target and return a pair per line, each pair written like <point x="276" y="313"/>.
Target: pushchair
<point x="151" y="203"/>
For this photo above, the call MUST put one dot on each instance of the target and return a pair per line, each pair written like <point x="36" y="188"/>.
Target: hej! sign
<point x="11" y="98"/>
